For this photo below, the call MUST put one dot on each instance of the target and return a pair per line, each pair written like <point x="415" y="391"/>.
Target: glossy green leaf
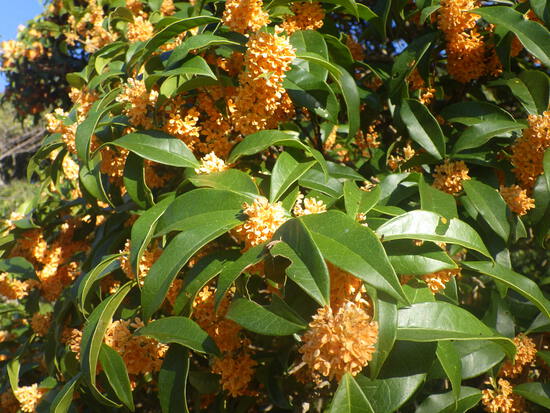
<point x="410" y="259"/>
<point x="258" y="319"/>
<point x="196" y="42"/>
<point x="182" y="331"/>
<point x="474" y="112"/>
<point x="134" y="181"/>
<point x="434" y="200"/>
<point x="532" y="35"/>
<point x="385" y="314"/>
<point x="197" y="231"/>
<point x="159" y="147"/>
<point x="535" y="392"/>
<point x="480" y="133"/>
<point x="64" y="398"/>
<point x="434" y="321"/>
<point x="358" y="201"/>
<point x="173" y="380"/>
<point x="531" y="89"/>
<point x="450" y="361"/>
<point x="490" y="204"/>
<point x="347" y="86"/>
<point x="229" y="180"/>
<point x="286" y="171"/>
<point x="423" y="128"/>
<point x="89" y="279"/>
<point x="355" y="249"/>
<point x="307" y="268"/>
<point x="196" y="66"/>
<point x="478" y="357"/>
<point x="517" y="282"/>
<point x="428" y="226"/>
<point x="313" y="42"/>
<point x="117" y="375"/>
<point x="446" y="402"/>
<point x="349" y="398"/>
<point x="92" y="339"/>
<point x="232" y="270"/>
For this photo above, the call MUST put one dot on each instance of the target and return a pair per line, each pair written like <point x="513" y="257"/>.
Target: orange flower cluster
<point x="236" y="373"/>
<point x="416" y="82"/>
<point x="307" y="16"/>
<point x="517" y="199"/>
<point x="262" y="222"/>
<point x="55" y="124"/>
<point x="368" y="140"/>
<point x="261" y="101"/>
<point x="468" y="58"/>
<point x="528" y="151"/>
<point x="437" y="281"/>
<point x="53" y="263"/>
<point x="356" y="50"/>
<point x="113" y="161"/>
<point x="449" y="176"/>
<point x="345" y="287"/>
<point x="139" y="30"/>
<point x="11" y="50"/>
<point x="72" y="337"/>
<point x="14" y="289"/>
<point x="210" y="163"/>
<point x="308" y="206"/>
<point x="526" y="350"/>
<point x="83" y="99"/>
<point x="236" y="366"/>
<point x="40" y="323"/>
<point x="339" y="341"/>
<point x="135" y="6"/>
<point x="182" y="123"/>
<point x="140" y="354"/>
<point x="89" y="29"/>
<point x="395" y="161"/>
<point x="501" y="398"/>
<point x="244" y="16"/>
<point x="139" y="102"/>
<point x="71" y="169"/>
<point x="167" y="7"/>
<point x="147" y="260"/>
<point x="29" y="397"/>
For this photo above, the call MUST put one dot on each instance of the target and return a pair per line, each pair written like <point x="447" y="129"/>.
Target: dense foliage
<point x="289" y="206"/>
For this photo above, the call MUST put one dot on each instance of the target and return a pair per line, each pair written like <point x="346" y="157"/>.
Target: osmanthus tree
<point x="289" y="206"/>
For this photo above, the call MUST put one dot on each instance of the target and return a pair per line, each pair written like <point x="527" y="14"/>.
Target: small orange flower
<point x="501" y="398"/>
<point x="236" y="372"/>
<point x="40" y="323"/>
<point x="308" y="206"/>
<point x="210" y="163"/>
<point x="449" y="176"/>
<point x="263" y="219"/>
<point x="526" y="350"/>
<point x="244" y="16"/>
<point x="517" y="199"/>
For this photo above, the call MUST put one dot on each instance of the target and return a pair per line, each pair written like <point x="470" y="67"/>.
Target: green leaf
<point x="480" y="133"/>
<point x="159" y="147"/>
<point x="427" y="226"/>
<point x="64" y="398"/>
<point x="90" y="178"/>
<point x="172" y="29"/>
<point x="144" y="228"/>
<point x="403" y="372"/>
<point x="230" y="180"/>
<point x="92" y="339"/>
<point x="347" y="85"/>
<point x="446" y="403"/>
<point x="134" y="181"/>
<point x="385" y="314"/>
<point x="313" y="42"/>
<point x="232" y="270"/>
<point x="541" y="9"/>
<point x="204" y="204"/>
<point x="434" y="321"/>
<point x="307" y="268"/>
<point x="259" y="141"/>
<point x="173" y="380"/>
<point x="490" y="204"/>
<point x="258" y="319"/>
<point x="472" y="112"/>
<point x="198" y="231"/>
<point x="423" y="128"/>
<point x="117" y="375"/>
<point x="196" y="66"/>
<point x="18" y="266"/>
<point x="450" y="361"/>
<point x="517" y="282"/>
<point x="182" y="331"/>
<point x="406" y="62"/>
<point x="410" y="259"/>
<point x="434" y="200"/>
<point x="85" y="283"/>
<point x="286" y="171"/>
<point x="478" y="357"/>
<point x="355" y="249"/>
<point x="358" y="201"/>
<point x="196" y="42"/>
<point x="349" y="398"/>
<point x="535" y="392"/>
<point x="349" y="5"/>
<point x="532" y="35"/>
